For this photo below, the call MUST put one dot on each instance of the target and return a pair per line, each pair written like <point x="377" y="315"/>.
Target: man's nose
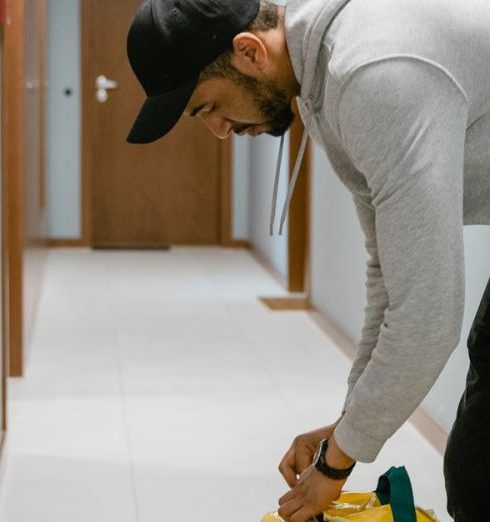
<point x="219" y="126"/>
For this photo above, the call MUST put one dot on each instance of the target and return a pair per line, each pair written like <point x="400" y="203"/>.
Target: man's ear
<point x="250" y="55"/>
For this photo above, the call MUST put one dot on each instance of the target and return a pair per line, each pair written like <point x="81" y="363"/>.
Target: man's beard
<point x="272" y="102"/>
<point x="278" y="114"/>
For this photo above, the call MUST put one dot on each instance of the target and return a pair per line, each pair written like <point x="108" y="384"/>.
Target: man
<point x="397" y="92"/>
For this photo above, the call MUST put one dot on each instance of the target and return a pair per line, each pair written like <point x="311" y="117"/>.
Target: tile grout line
<point x="123" y="400"/>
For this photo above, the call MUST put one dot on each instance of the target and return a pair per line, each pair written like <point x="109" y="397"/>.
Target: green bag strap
<point x="394" y="488"/>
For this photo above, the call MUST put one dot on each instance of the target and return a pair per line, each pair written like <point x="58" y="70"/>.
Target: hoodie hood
<point x="306" y="24"/>
<point x="307" y="21"/>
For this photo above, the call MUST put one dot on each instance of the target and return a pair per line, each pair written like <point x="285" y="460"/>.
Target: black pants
<point x="467" y="458"/>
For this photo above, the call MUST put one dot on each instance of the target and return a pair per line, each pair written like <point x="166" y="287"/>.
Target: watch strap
<point x="321" y="465"/>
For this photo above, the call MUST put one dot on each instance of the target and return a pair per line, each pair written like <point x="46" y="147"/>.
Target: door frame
<point x="299" y="213"/>
<point x="17" y="192"/>
<point x="13" y="185"/>
<point x="3" y="255"/>
<point x="88" y="121"/>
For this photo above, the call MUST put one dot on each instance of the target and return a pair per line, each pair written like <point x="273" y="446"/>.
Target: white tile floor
<point x="158" y="388"/>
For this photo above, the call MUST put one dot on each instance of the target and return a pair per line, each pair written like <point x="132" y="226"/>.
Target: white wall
<point x="338" y="276"/>
<point x="337" y="249"/>
<point x="263" y="157"/>
<point x="443" y="399"/>
<point x="241" y="187"/>
<point x="63" y="120"/>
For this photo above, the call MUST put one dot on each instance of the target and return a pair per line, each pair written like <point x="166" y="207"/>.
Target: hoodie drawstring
<point x="276" y="185"/>
<point x="294" y="177"/>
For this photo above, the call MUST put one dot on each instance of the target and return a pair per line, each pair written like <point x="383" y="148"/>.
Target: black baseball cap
<point x="169" y="44"/>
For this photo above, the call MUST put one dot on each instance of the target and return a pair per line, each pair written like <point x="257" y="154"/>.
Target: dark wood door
<point x="168" y="192"/>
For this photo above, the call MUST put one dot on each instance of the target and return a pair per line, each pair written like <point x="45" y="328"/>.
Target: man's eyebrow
<point x="195" y="111"/>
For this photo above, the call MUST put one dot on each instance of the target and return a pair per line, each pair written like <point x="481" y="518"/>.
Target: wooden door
<point x="174" y="191"/>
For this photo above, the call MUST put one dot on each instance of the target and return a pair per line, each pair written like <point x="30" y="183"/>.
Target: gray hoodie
<point x="397" y="92"/>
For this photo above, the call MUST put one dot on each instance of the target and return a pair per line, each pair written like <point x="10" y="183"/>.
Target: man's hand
<point x="313" y="492"/>
<point x="300" y="454"/>
<point x="312" y="495"/>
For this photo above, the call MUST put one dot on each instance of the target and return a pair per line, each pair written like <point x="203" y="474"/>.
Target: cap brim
<point x="159" y="114"/>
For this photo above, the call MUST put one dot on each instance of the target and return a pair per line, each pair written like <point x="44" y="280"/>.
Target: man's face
<point x="247" y="106"/>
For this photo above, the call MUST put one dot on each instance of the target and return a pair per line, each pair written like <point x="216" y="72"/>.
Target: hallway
<point x="158" y="388"/>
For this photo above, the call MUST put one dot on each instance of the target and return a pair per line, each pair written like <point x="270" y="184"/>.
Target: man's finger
<point x="302" y="515"/>
<point x="287" y="468"/>
<point x="290" y="477"/>
<point x="288" y="509"/>
<point x="288" y="497"/>
<point x="303" y="460"/>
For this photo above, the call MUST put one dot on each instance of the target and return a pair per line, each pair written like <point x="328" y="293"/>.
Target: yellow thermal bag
<point x="391" y="502"/>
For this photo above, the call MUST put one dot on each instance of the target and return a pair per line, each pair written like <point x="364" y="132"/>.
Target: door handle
<point x="102" y="85"/>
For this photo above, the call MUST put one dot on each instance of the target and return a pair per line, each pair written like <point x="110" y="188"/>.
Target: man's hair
<point x="268" y="17"/>
<point x="221" y="67"/>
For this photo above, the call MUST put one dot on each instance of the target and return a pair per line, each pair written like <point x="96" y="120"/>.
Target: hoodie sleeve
<point x="403" y="123"/>
<point x="376" y="297"/>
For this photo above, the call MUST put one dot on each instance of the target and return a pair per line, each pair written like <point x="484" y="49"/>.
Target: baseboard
<point x="265" y="263"/>
<point x="430" y="429"/>
<point x="286" y="303"/>
<point x="423" y="422"/>
<point x="339" y="338"/>
<point x="239" y="243"/>
<point x="67" y="243"/>
<point x="3" y="435"/>
<point x="64" y="243"/>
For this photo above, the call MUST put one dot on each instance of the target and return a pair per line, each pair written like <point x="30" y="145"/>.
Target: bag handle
<point x="394" y="488"/>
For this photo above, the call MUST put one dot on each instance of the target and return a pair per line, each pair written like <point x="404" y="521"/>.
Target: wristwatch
<point x="321" y="465"/>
